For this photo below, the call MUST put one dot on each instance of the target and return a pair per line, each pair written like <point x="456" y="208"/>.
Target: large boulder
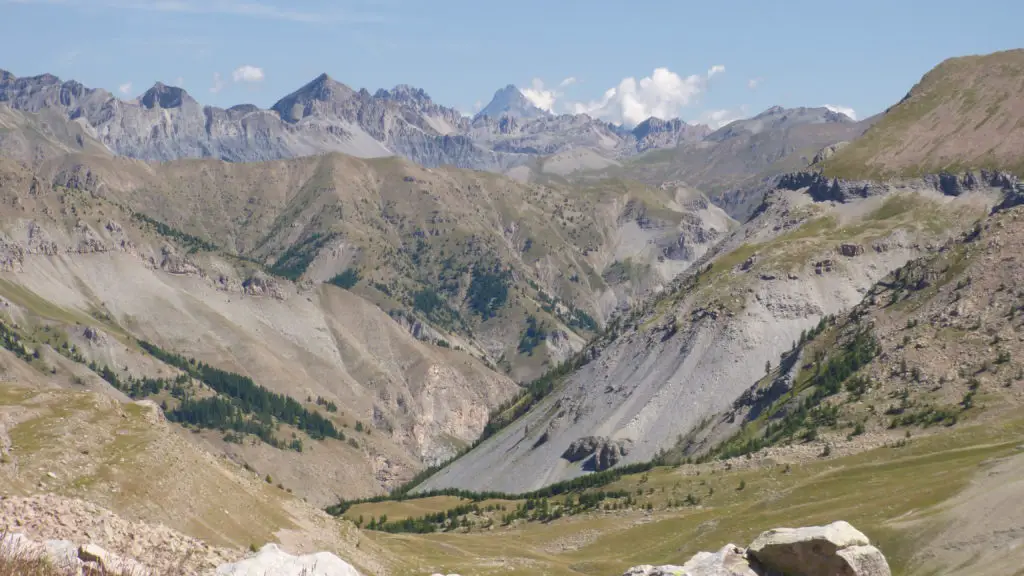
<point x="834" y="550"/>
<point x="272" y="560"/>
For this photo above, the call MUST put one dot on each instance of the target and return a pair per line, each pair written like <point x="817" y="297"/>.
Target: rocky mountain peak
<point x="656" y="125"/>
<point x="510" y="101"/>
<point x="164" y="96"/>
<point x="244" y="108"/>
<point x="659" y="133"/>
<point x="299" y="104"/>
<point x="405" y="93"/>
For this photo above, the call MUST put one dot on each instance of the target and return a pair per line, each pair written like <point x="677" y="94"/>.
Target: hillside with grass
<point x="912" y="396"/>
<point x="720" y="327"/>
<point x="966" y="113"/>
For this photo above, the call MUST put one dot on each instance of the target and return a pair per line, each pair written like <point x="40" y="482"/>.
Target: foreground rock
<point x="272" y="560"/>
<point x="67" y="557"/>
<point x="729" y="561"/>
<point x="834" y="549"/>
<point x="90" y="559"/>
<point x="838" y="549"/>
<point x="69" y="530"/>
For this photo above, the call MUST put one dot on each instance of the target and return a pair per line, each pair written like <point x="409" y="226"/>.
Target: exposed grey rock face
<point x="834" y="550"/>
<point x="260" y="284"/>
<point x="822" y="188"/>
<point x="166" y="123"/>
<point x="850" y="250"/>
<point x="655" y="133"/>
<point x="828" y="152"/>
<point x="510" y="101"/>
<point x="598" y="452"/>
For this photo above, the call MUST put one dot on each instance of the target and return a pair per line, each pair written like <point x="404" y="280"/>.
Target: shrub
<point x="347" y="279"/>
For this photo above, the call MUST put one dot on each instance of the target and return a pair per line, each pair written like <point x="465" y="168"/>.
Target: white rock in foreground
<point x="834" y="550"/>
<point x="272" y="560"/>
<point x="729" y="561"/>
<point x="837" y="549"/>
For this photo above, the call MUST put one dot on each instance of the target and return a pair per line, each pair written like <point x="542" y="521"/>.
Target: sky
<point x="708" y="62"/>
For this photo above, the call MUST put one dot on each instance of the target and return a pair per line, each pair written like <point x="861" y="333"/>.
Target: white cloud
<point x="539" y="96"/>
<point x="247" y="74"/>
<point x="718" y="118"/>
<point x="662" y="94"/>
<point x="125" y="88"/>
<point x="218" y="83"/>
<point x="843" y="110"/>
<point x="179" y="81"/>
<point x="753" y="83"/>
<point x="567" y="82"/>
<point x="478" y="105"/>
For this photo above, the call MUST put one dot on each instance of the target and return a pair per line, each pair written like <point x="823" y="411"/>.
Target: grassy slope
<point x="966" y="113"/>
<point x="870" y="490"/>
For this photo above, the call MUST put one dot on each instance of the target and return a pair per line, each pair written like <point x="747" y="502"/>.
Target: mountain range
<point x="596" y="344"/>
<point x="167" y="123"/>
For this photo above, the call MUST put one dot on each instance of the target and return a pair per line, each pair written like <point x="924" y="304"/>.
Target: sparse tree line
<point x="829" y="374"/>
<point x="193" y="243"/>
<point x="249" y="396"/>
<point x="534" y="508"/>
<point x="293" y="262"/>
<point x="240" y="407"/>
<point x="10" y="340"/>
<point x="576" y="485"/>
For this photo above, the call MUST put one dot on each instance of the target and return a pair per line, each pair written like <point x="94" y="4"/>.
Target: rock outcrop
<point x="837" y="549"/>
<point x="597" y="452"/>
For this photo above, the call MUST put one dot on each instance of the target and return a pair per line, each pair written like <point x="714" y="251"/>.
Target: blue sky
<point x="709" y="61"/>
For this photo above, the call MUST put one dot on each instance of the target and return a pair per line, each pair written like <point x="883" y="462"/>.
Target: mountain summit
<point x="510" y="101"/>
<point x="164" y="96"/>
<point x="301" y="103"/>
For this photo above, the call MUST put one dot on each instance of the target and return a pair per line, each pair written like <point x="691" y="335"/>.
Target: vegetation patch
<point x="347" y="279"/>
<point x="576" y="485"/>
<point x="294" y="261"/>
<point x="192" y="243"/>
<point x="247" y="396"/>
<point x="488" y="290"/>
<point x="534" y="334"/>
